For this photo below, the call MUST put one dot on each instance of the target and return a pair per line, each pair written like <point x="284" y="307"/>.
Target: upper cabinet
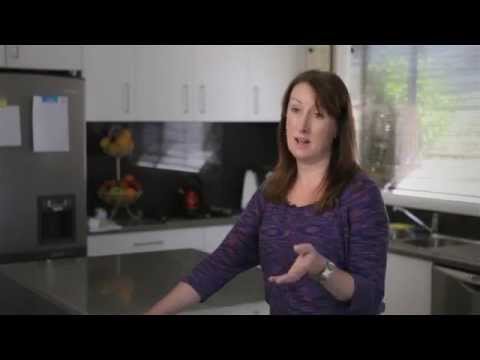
<point x="44" y="57"/>
<point x="319" y="57"/>
<point x="2" y="55"/>
<point x="220" y="82"/>
<point x="110" y="84"/>
<point x="164" y="76"/>
<point x="191" y="82"/>
<point x="270" y="70"/>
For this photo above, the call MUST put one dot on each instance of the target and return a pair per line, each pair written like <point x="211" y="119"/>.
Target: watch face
<point x="329" y="269"/>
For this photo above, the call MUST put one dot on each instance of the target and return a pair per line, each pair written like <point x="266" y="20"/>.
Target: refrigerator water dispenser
<point x="56" y="219"/>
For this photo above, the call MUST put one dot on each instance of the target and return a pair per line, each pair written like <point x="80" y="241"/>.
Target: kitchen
<point x="164" y="230"/>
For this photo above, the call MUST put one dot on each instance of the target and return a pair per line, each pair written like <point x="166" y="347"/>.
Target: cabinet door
<point x="109" y="83"/>
<point x="270" y="69"/>
<point x="164" y="74"/>
<point x="2" y="55"/>
<point x="220" y="82"/>
<point x="408" y="286"/>
<point x="53" y="57"/>
<point x="319" y="57"/>
<point x="214" y="236"/>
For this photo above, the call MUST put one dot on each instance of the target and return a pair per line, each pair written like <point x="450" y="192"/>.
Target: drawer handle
<point x="150" y="243"/>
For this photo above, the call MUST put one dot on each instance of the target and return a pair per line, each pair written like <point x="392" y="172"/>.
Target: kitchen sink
<point x="435" y="242"/>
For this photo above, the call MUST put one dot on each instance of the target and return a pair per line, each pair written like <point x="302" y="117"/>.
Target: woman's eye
<point x="294" y="110"/>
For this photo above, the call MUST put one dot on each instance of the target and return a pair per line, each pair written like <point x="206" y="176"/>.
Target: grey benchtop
<point x="464" y="257"/>
<point x="173" y="224"/>
<point x="125" y="284"/>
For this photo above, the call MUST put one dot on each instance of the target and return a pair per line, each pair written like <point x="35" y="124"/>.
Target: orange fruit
<point x="131" y="195"/>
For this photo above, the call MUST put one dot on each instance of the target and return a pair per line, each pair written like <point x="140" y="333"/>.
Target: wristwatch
<point x="328" y="271"/>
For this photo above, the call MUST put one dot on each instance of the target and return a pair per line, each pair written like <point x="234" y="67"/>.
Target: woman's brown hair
<point x="332" y="95"/>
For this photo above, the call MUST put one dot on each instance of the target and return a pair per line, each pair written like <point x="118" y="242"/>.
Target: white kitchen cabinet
<point x="220" y="83"/>
<point x="408" y="286"/>
<point x="214" y="236"/>
<point x="191" y="83"/>
<point x="110" y="82"/>
<point x="44" y="57"/>
<point x="319" y="57"/>
<point x="202" y="238"/>
<point x="270" y="69"/>
<point x="148" y="241"/>
<point x="165" y="81"/>
<point x="2" y="55"/>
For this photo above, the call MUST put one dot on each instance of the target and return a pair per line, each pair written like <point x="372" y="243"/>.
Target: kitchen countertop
<point x="131" y="284"/>
<point x="125" y="284"/>
<point x="463" y="257"/>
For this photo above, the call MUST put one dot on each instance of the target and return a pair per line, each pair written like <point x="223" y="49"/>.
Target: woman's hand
<point x="309" y="261"/>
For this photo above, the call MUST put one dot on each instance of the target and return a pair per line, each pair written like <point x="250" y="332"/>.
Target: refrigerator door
<point x="42" y="194"/>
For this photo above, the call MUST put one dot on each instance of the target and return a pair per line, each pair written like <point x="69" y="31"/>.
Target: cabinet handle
<point x="186" y="107"/>
<point x="256" y="100"/>
<point x="151" y="243"/>
<point x="203" y="100"/>
<point x="127" y="97"/>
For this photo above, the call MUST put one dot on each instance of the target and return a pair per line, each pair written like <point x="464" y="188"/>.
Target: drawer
<point x="135" y="242"/>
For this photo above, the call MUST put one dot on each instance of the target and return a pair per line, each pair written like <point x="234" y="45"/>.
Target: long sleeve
<point x="368" y="246"/>
<point x="237" y="253"/>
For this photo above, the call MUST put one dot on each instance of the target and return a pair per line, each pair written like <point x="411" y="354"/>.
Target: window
<point x="418" y="107"/>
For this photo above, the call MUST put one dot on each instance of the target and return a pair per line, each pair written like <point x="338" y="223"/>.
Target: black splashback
<point x="236" y="147"/>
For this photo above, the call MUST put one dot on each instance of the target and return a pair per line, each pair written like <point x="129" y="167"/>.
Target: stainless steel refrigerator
<point x="42" y="193"/>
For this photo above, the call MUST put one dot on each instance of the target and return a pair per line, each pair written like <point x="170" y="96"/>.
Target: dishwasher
<point x="455" y="292"/>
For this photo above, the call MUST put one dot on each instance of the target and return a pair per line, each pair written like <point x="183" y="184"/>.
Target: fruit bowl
<point x="120" y="193"/>
<point x="118" y="199"/>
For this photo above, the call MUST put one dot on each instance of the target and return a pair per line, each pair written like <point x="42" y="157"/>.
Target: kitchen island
<point x="119" y="285"/>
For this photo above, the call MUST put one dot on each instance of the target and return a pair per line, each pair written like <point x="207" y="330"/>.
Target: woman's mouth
<point x="302" y="141"/>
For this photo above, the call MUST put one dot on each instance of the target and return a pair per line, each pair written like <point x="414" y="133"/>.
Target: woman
<point x="318" y="226"/>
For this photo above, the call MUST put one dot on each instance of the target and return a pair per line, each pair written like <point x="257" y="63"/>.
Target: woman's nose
<point x="304" y="124"/>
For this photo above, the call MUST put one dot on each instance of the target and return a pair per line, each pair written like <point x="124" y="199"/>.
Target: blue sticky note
<point x="50" y="99"/>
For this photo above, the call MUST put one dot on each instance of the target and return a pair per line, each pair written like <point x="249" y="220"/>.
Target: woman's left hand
<point x="309" y="261"/>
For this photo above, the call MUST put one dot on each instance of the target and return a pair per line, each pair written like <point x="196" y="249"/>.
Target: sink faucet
<point x="416" y="220"/>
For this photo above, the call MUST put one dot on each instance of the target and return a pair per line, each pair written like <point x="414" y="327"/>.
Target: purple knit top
<point x="354" y="235"/>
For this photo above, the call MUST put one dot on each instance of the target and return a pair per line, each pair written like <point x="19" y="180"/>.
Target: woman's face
<point x="310" y="130"/>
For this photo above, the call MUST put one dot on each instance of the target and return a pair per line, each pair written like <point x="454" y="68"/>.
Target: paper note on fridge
<point x="10" y="132"/>
<point x="50" y="124"/>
